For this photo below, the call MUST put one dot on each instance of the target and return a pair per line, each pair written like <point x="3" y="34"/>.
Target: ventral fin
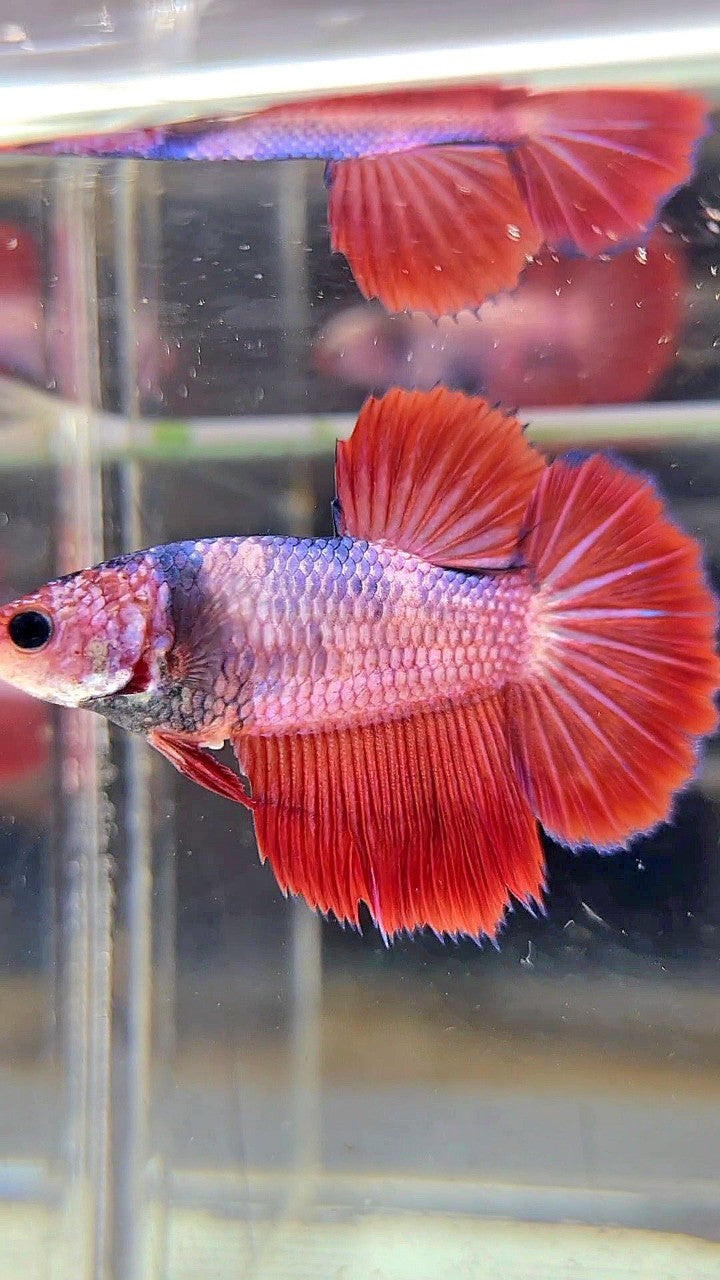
<point x="438" y="474"/>
<point x="422" y="819"/>
<point x="198" y="764"/>
<point x="438" y="229"/>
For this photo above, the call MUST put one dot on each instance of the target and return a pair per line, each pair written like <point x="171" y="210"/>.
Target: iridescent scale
<point x="311" y="633"/>
<point x="328" y="129"/>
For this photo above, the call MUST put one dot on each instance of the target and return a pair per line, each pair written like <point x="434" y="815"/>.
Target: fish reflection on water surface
<point x="438" y="198"/>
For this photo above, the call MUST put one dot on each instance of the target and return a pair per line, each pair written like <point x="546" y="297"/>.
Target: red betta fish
<point x="485" y="643"/>
<point x="439" y="197"/>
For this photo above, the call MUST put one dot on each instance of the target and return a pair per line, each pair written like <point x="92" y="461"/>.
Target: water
<point x="197" y="1077"/>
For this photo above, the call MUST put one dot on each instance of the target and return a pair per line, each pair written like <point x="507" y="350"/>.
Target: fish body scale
<point x="343" y="132"/>
<point x="311" y="633"/>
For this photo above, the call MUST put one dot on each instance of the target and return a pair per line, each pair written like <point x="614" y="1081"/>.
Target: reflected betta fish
<point x="438" y="197"/>
<point x="574" y="332"/>
<point x="485" y="642"/>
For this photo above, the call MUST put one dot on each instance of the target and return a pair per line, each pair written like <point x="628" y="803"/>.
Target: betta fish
<point x="485" y="644"/>
<point x="439" y="197"/>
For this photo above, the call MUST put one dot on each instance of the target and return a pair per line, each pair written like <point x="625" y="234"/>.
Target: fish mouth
<point x="128" y="711"/>
<point x="137" y="685"/>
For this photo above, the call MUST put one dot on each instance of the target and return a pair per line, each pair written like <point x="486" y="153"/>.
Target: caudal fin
<point x="597" y="164"/>
<point x="623" y="666"/>
<point x="437" y="229"/>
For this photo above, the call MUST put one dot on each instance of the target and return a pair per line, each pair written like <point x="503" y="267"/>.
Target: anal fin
<point x="422" y="819"/>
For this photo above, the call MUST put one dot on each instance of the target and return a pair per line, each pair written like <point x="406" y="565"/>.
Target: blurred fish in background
<point x="22" y="315"/>
<point x="25" y="724"/>
<point x="576" y="331"/>
<point x="36" y="319"/>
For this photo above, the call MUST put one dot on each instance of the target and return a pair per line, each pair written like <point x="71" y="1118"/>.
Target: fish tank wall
<point x="198" y="1077"/>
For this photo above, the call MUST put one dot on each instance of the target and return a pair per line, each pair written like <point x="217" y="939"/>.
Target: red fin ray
<point x="200" y="766"/>
<point x="422" y="819"/>
<point x="437" y="474"/>
<point x="624" y="668"/>
<point x="598" y="164"/>
<point x="438" y="229"/>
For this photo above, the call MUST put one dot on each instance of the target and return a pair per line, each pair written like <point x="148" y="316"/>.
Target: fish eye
<point x="30" y="629"/>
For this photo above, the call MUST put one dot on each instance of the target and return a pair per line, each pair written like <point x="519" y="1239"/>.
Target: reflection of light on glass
<point x="177" y="92"/>
<point x="12" y="33"/>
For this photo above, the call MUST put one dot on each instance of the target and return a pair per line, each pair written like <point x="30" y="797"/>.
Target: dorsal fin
<point x="439" y="474"/>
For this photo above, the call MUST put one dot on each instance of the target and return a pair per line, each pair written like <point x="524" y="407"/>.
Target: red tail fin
<point x="438" y="229"/>
<point x="597" y="164"/>
<point x="623" y="667"/>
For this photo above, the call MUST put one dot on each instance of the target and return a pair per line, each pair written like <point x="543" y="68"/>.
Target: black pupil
<point x="30" y="629"/>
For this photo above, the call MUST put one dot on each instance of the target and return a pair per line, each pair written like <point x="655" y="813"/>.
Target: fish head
<point x="94" y="633"/>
